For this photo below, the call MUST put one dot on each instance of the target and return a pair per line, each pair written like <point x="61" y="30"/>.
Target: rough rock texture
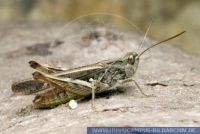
<point x="173" y="76"/>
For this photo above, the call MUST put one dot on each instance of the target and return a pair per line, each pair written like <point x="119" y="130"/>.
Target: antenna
<point x="161" y="42"/>
<point x="146" y="33"/>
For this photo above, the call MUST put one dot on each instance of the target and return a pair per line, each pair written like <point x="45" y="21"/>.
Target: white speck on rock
<point x="73" y="104"/>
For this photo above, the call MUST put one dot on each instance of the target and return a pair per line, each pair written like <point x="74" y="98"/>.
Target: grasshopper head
<point x="132" y="61"/>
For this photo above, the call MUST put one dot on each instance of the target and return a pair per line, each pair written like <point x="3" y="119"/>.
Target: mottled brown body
<point x="73" y="89"/>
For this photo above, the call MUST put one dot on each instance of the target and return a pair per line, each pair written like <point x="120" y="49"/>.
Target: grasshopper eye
<point x="131" y="60"/>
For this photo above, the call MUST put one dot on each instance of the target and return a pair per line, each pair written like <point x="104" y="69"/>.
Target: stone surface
<point x="173" y="76"/>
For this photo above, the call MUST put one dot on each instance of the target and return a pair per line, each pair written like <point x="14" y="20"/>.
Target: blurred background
<point x="170" y="16"/>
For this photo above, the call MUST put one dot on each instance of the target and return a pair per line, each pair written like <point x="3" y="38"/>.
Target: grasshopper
<point x="74" y="84"/>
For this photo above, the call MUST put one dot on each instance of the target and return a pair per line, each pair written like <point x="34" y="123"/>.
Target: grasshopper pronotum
<point x="65" y="85"/>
